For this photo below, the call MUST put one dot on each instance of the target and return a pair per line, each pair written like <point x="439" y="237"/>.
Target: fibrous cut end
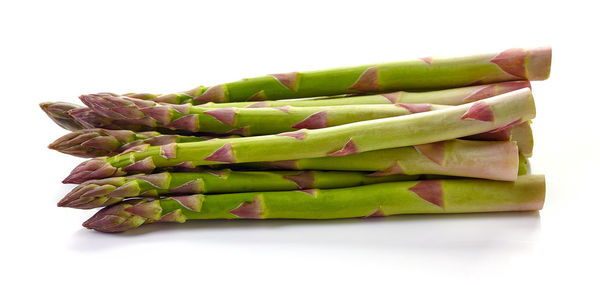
<point x="538" y="63"/>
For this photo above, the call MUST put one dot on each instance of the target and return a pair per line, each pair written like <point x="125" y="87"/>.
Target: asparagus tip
<point x="58" y="112"/>
<point x="91" y="169"/>
<point x="116" y="218"/>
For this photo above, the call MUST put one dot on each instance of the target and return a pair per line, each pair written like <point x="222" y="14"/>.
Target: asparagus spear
<point x="477" y="159"/>
<point x="108" y="191"/>
<point x="422" y="128"/>
<point x="454" y="96"/>
<point x="422" y="74"/>
<point x="244" y="121"/>
<point x="383" y="199"/>
<point x="81" y="117"/>
<point x="58" y="112"/>
<point x="90" y="143"/>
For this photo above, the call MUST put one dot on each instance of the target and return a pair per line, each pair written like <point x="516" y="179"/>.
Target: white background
<point x="57" y="50"/>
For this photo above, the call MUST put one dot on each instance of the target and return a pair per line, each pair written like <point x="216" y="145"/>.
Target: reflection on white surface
<point x="486" y="232"/>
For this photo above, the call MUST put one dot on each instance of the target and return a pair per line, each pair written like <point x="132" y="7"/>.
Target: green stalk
<point x="382" y="199"/>
<point x="454" y="96"/>
<point x="108" y="191"/>
<point x="244" y="121"/>
<point x="524" y="167"/>
<point x="422" y="128"/>
<point x="495" y="161"/>
<point x="420" y="74"/>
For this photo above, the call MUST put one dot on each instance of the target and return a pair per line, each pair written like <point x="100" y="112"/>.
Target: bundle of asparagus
<point x="433" y="135"/>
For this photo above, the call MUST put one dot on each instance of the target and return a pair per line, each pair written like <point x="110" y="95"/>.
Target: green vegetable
<point x="454" y="96"/>
<point x="102" y="142"/>
<point x="420" y="74"/>
<point x="382" y="199"/>
<point x="244" y="121"/>
<point x="58" y="112"/>
<point x="104" y="192"/>
<point x="422" y="128"/>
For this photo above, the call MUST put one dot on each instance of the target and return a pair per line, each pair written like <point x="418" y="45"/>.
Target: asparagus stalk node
<point x="416" y="129"/>
<point x="383" y="199"/>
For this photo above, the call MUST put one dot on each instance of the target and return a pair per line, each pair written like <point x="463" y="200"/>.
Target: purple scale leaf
<point x="367" y="82"/>
<point x="99" y="190"/>
<point x="124" y="136"/>
<point x="173" y="217"/>
<point x="168" y="151"/>
<point x="129" y="189"/>
<point x="144" y="165"/>
<point x="430" y="191"/>
<point x="223" y="115"/>
<point x="304" y="179"/>
<point x="481" y="111"/>
<point x="104" y="143"/>
<point x="191" y="202"/>
<point x="158" y="180"/>
<point x="258" y="96"/>
<point x="181" y="108"/>
<point x="167" y="98"/>
<point x="349" y="148"/>
<point x="223" y="154"/>
<point x="317" y="120"/>
<point x="250" y="210"/>
<point x="159" y="113"/>
<point x="299" y="134"/>
<point x="512" y="61"/>
<point x="289" y="80"/>
<point x="392" y="97"/>
<point x="188" y="123"/>
<point x="415" y="108"/>
<point x="436" y="151"/>
<point x="149" y="210"/>
<point x="215" y="94"/>
<point x="191" y="187"/>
